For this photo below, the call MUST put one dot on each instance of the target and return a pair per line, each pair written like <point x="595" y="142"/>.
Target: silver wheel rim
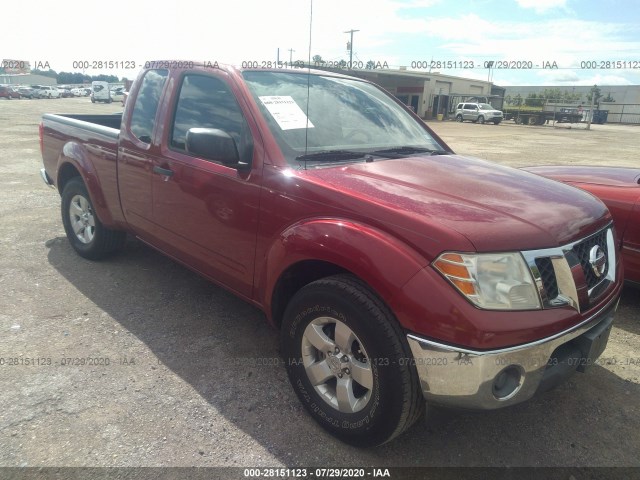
<point x="337" y="364"/>
<point x="82" y="220"/>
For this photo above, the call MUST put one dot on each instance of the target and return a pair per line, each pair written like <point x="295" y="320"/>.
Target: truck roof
<point x="208" y="65"/>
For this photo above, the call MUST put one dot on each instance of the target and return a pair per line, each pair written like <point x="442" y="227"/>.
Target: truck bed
<point x="91" y="143"/>
<point x="94" y="123"/>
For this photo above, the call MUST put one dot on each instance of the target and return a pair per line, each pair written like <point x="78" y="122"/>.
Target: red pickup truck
<point x="396" y="270"/>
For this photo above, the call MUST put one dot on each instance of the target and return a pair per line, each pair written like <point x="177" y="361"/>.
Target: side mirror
<point x="213" y="144"/>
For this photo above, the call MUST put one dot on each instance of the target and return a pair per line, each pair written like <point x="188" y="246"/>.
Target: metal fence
<point x="622" y="113"/>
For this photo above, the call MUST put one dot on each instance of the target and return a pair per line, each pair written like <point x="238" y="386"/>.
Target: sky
<point x="580" y="42"/>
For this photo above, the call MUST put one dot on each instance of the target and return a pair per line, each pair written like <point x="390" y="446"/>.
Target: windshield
<point x="486" y="106"/>
<point x="352" y="118"/>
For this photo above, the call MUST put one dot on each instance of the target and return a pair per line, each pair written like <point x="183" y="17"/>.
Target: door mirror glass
<point x="213" y="144"/>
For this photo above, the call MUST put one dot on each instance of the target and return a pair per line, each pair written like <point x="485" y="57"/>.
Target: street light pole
<point x="351" y="46"/>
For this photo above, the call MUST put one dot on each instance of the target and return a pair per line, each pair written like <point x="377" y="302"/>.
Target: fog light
<point x="507" y="382"/>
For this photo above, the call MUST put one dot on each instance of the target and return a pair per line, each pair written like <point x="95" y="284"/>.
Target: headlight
<point x="493" y="281"/>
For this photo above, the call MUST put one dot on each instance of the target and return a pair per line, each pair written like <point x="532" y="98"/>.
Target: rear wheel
<point x="88" y="237"/>
<point x="348" y="361"/>
<point x="480" y="119"/>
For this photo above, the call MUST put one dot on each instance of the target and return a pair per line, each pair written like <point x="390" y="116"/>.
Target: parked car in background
<point x="27" y="92"/>
<point x="78" y="92"/>
<point x="14" y="93"/>
<point x="477" y="112"/>
<point x="619" y="189"/>
<point x="65" y="93"/>
<point x="117" y="95"/>
<point x="5" y="93"/>
<point x="47" y="91"/>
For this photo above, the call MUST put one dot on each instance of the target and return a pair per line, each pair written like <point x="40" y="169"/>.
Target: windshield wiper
<point x="332" y="155"/>
<point x="406" y="150"/>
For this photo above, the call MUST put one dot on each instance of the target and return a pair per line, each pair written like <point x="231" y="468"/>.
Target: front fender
<point x="382" y="261"/>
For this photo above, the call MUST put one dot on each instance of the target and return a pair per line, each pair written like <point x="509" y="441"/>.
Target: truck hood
<point x="496" y="208"/>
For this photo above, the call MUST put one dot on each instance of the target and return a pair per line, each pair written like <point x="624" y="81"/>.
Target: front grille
<point x="582" y="250"/>
<point x="556" y="271"/>
<point x="548" y="277"/>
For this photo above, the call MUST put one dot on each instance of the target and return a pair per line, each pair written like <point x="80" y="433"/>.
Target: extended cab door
<point x="208" y="211"/>
<point x="136" y="153"/>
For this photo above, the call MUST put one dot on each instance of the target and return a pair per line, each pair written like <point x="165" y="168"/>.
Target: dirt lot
<point x="185" y="374"/>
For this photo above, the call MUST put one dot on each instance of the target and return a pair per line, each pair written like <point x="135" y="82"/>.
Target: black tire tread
<point x="106" y="240"/>
<point x="413" y="401"/>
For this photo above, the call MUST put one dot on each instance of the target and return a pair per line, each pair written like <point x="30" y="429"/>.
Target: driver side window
<point x="207" y="102"/>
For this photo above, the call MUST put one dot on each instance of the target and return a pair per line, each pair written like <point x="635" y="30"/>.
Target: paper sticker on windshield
<point x="286" y="112"/>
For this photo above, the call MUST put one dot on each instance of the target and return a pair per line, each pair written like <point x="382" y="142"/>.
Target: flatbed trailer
<point x="540" y="117"/>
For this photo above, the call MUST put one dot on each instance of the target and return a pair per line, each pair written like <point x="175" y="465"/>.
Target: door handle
<point x="162" y="171"/>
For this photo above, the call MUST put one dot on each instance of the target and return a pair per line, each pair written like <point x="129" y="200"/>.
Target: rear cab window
<point x="143" y="117"/>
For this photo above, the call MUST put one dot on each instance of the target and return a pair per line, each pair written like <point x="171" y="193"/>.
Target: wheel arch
<point x="76" y="165"/>
<point x="320" y="248"/>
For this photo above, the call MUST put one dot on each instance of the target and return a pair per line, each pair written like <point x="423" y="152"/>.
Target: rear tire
<point x="481" y="119"/>
<point x="349" y="362"/>
<point x="88" y="237"/>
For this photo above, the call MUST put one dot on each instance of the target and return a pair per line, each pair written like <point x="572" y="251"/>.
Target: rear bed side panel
<point x="92" y="152"/>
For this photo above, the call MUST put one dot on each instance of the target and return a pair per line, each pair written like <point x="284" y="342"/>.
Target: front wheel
<point x="88" y="237"/>
<point x="459" y="118"/>
<point x="349" y="363"/>
<point x="480" y="119"/>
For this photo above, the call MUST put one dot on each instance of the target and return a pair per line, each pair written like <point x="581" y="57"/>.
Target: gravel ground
<point x="150" y="365"/>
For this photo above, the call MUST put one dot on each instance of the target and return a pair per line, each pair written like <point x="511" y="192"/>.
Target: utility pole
<point x="351" y="46"/>
<point x="291" y="50"/>
<point x="593" y="96"/>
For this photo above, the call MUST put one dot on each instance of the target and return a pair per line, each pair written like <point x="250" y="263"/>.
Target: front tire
<point x="88" y="237"/>
<point x="481" y="119"/>
<point x="349" y="363"/>
<point x="459" y="118"/>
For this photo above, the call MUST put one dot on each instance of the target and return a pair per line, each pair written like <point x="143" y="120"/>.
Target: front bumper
<point x="484" y="380"/>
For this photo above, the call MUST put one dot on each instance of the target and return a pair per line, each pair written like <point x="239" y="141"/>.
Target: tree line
<point x="63" y="78"/>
